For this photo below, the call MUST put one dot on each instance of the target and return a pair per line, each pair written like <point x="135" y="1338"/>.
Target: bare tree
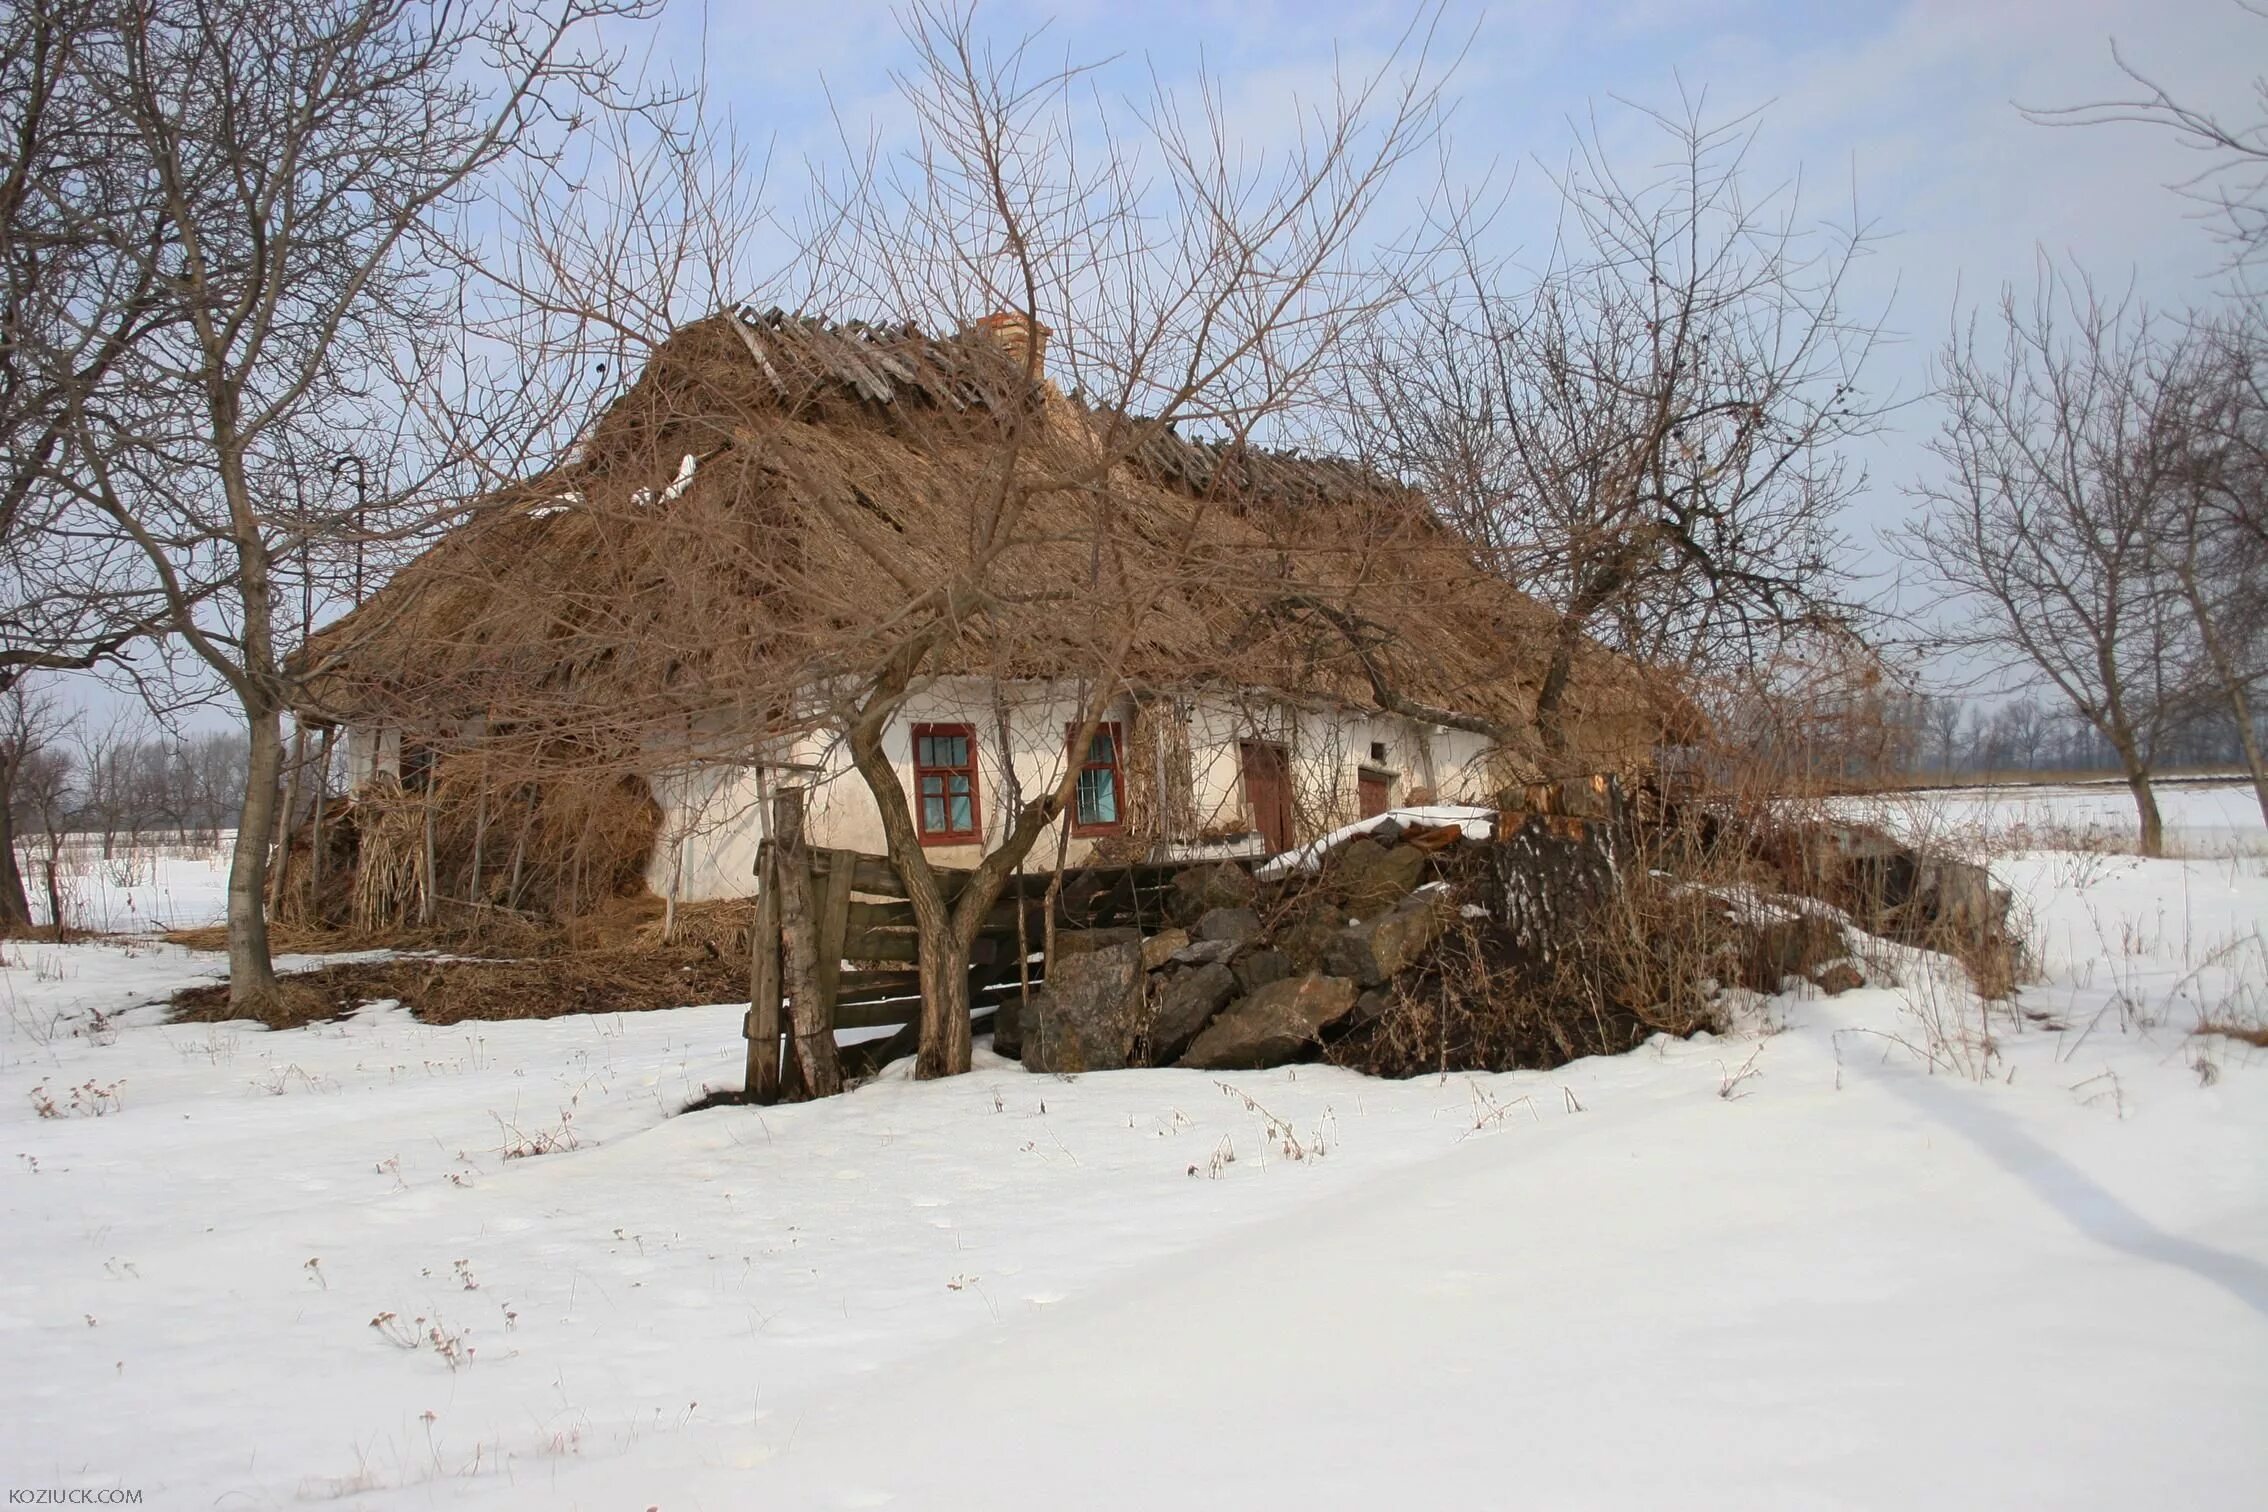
<point x="34" y="783"/>
<point x="2044" y="533"/>
<point x="309" y="163"/>
<point x="1644" y="434"/>
<point x="2211" y="410"/>
<point x="71" y="597"/>
<point x="2230" y="185"/>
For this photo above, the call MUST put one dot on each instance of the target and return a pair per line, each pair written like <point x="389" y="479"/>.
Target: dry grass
<point x="442" y="991"/>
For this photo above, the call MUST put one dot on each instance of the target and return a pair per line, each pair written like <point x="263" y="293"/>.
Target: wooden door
<point x="1371" y="790"/>
<point x="1267" y="792"/>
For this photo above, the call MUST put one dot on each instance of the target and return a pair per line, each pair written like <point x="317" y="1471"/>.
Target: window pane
<point x="964" y="818"/>
<point x="956" y="751"/>
<point x="1098" y="796"/>
<point x="925" y="751"/>
<point x="932" y="787"/>
<point x="933" y="815"/>
<point x="1099" y="749"/>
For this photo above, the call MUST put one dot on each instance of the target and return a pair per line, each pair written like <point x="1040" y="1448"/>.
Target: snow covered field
<point x="2203" y="817"/>
<point x="1800" y="1267"/>
<point x="142" y="885"/>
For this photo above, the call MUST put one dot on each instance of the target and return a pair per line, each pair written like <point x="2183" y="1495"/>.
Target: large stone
<point x="1308" y="933"/>
<point x="1235" y="925"/>
<point x="1372" y="878"/>
<point x="1008" y="1029"/>
<point x="1203" y="952"/>
<point x="1957" y="899"/>
<point x="1255" y="969"/>
<point x="1373" y="950"/>
<point x="1071" y="942"/>
<point x="1838" y="977"/>
<point x="1281" y="1022"/>
<point x="1159" y="948"/>
<point x="1085" y="1017"/>
<point x="1199" y="888"/>
<point x="1184" y="1006"/>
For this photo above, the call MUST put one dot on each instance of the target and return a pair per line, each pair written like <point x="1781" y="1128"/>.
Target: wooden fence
<point x="866" y="943"/>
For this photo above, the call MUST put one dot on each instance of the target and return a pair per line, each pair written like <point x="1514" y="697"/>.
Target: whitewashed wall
<point x="713" y="819"/>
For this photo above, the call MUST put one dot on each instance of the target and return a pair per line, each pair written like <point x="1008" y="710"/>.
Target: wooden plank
<point x="860" y="986"/>
<point x="885" y="1014"/>
<point x="834" y="904"/>
<point x="862" y="918"/>
<point x="890" y="947"/>
<point x="875" y="877"/>
<point x="763" y="1023"/>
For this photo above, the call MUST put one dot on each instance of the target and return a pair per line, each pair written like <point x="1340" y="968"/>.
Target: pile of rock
<point x="1244" y="973"/>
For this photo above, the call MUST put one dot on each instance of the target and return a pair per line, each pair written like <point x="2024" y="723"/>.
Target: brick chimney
<point x="1024" y="340"/>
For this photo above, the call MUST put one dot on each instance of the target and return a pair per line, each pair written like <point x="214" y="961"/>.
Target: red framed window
<point x="945" y="787"/>
<point x="1095" y="803"/>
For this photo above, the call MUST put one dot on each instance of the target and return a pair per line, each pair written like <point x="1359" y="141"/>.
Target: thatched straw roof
<point x="749" y="514"/>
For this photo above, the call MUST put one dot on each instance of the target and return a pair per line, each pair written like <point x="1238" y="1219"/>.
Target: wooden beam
<point x="763" y="1023"/>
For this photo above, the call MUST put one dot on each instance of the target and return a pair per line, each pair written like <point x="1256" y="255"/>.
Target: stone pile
<point x="1244" y="973"/>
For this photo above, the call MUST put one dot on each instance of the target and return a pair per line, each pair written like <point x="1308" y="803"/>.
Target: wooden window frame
<point x="1116" y="766"/>
<point x="974" y="834"/>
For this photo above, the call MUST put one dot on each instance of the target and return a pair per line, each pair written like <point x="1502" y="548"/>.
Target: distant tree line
<point x="1958" y="737"/>
<point x="111" y="784"/>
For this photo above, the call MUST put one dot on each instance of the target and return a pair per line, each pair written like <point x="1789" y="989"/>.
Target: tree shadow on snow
<point x="2084" y="1202"/>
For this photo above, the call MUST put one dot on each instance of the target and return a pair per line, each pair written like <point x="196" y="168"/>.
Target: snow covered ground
<point x="1800" y="1267"/>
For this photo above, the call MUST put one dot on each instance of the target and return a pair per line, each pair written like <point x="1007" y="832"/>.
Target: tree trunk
<point x="251" y="975"/>
<point x="2153" y="825"/>
<point x="1553" y="691"/>
<point x="55" y="898"/>
<point x="15" y="904"/>
<point x="946" y="1046"/>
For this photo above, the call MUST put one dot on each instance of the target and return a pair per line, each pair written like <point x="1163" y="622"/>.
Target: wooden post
<point x="282" y="843"/>
<point x="315" y="842"/>
<point x="432" y="882"/>
<point x="813" y="1067"/>
<point x="763" y="1023"/>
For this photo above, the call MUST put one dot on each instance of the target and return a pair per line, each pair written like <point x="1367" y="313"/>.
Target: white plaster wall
<point x="712" y="822"/>
<point x="371" y="752"/>
<point x="1328" y="748"/>
<point x="843" y="814"/>
<point x="712" y="811"/>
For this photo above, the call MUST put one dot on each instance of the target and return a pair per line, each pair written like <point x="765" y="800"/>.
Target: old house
<point x="1291" y="641"/>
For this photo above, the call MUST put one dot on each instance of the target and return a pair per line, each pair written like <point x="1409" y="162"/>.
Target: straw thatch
<point x="734" y="522"/>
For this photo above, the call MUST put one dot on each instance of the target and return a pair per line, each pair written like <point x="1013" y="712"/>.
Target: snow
<point x="1472" y="824"/>
<point x="1843" y="1259"/>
